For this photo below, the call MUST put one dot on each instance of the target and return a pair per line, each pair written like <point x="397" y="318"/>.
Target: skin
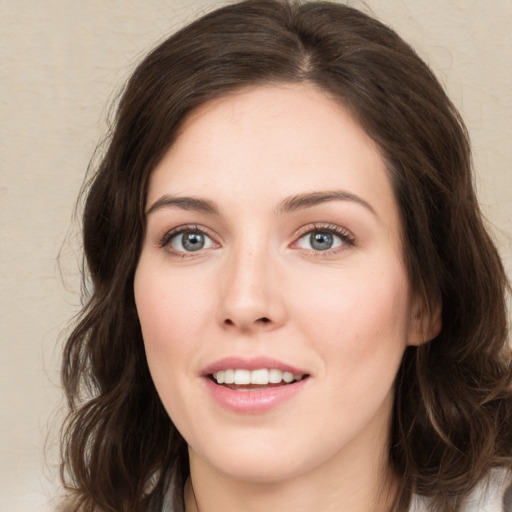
<point x="258" y="287"/>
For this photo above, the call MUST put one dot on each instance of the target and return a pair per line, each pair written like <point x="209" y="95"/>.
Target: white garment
<point x="494" y="494"/>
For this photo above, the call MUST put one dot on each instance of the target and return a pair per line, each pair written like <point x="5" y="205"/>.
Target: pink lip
<point x="255" y="401"/>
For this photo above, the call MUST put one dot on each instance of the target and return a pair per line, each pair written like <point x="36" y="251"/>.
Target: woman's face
<point x="273" y="252"/>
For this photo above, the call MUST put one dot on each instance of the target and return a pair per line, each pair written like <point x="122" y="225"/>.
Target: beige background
<point x="60" y="63"/>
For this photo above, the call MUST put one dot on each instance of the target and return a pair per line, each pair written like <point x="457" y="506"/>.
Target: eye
<point x="325" y="239"/>
<point x="319" y="241"/>
<point x="186" y="240"/>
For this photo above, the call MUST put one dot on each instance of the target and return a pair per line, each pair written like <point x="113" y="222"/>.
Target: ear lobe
<point x="425" y="323"/>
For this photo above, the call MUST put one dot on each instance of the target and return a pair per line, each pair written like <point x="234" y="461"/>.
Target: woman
<point x="295" y="302"/>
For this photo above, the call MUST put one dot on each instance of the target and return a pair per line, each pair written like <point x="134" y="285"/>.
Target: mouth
<point x="253" y="385"/>
<point x="240" y="379"/>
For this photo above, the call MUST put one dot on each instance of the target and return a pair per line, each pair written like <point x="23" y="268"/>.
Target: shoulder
<point x="493" y="494"/>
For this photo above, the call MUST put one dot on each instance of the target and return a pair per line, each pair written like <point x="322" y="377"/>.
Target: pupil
<point x="193" y="241"/>
<point x="321" y="241"/>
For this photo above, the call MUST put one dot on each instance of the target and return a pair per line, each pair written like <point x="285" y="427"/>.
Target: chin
<point x="258" y="462"/>
<point x="261" y="469"/>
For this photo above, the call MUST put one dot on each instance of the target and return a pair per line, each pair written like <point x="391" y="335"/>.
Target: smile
<point x="261" y="377"/>
<point x="253" y="385"/>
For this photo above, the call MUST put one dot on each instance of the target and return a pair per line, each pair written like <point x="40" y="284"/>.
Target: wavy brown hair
<point x="452" y="418"/>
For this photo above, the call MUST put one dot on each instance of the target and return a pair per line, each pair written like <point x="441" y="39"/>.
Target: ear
<point x="425" y="322"/>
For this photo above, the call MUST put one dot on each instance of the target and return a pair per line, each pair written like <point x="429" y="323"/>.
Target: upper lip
<point x="250" y="363"/>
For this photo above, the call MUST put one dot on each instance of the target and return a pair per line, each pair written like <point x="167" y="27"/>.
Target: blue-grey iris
<point x="193" y="241"/>
<point x="321" y="241"/>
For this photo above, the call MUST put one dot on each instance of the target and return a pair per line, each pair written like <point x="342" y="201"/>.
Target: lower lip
<point x="255" y="401"/>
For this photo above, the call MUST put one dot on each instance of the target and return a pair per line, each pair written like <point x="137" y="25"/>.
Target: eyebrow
<point x="308" y="200"/>
<point x="288" y="205"/>
<point x="184" y="203"/>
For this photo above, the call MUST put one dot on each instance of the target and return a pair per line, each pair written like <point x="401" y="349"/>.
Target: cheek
<point x="171" y="309"/>
<point x="171" y="313"/>
<point x="169" y="316"/>
<point x="359" y="318"/>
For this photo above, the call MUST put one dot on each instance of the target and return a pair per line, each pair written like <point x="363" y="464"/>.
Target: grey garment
<point x="168" y="501"/>
<point x="493" y="494"/>
<point x="507" y="499"/>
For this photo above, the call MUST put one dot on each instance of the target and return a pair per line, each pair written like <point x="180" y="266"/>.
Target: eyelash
<point x="346" y="237"/>
<point x="166" y="238"/>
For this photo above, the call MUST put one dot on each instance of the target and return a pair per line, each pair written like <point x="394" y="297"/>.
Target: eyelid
<point x="165" y="239"/>
<point x="346" y="236"/>
<point x="325" y="226"/>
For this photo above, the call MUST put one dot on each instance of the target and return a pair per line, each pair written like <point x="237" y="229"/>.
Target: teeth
<point x="287" y="376"/>
<point x="259" y="376"/>
<point x="242" y="377"/>
<point x="275" y="376"/>
<point x="229" y="376"/>
<point x="262" y="376"/>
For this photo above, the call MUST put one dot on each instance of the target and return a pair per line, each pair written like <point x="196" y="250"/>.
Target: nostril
<point x="262" y="320"/>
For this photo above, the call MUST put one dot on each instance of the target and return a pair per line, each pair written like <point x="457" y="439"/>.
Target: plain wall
<point x="60" y="63"/>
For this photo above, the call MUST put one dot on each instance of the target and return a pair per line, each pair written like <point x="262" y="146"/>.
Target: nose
<point x="250" y="293"/>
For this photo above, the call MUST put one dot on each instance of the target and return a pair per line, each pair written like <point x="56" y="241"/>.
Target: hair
<point x="452" y="416"/>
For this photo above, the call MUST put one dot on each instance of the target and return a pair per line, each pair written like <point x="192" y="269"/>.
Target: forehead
<point x="272" y="141"/>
